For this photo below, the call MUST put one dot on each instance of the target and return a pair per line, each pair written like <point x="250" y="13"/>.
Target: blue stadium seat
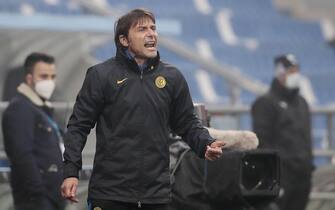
<point x="61" y="7"/>
<point x="275" y="33"/>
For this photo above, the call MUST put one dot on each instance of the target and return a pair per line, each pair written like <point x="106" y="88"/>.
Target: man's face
<point x="291" y="70"/>
<point x="41" y="71"/>
<point x="142" y="40"/>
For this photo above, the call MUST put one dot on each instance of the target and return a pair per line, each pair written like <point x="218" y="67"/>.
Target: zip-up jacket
<point x="31" y="142"/>
<point x="134" y="112"/>
<point x="281" y="120"/>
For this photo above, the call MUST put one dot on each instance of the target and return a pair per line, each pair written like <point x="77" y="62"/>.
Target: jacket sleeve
<point x="86" y="110"/>
<point x="263" y="122"/>
<point x="18" y="126"/>
<point x="308" y="130"/>
<point x="184" y="122"/>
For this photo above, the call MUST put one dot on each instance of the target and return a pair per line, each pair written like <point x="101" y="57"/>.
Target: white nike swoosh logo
<point x="121" y="81"/>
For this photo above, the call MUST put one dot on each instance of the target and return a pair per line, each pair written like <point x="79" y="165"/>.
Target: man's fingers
<point x="212" y="157"/>
<point x="73" y="190"/>
<point x="65" y="190"/>
<point x="69" y="189"/>
<point x="213" y="153"/>
<point x="208" y="157"/>
<point x="216" y="156"/>
<point x="214" y="150"/>
<point x="73" y="193"/>
<point x="73" y="199"/>
<point x="219" y="144"/>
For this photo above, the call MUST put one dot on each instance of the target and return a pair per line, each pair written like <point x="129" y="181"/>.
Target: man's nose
<point x="151" y="33"/>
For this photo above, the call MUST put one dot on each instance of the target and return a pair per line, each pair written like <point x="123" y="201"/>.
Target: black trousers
<point x="94" y="204"/>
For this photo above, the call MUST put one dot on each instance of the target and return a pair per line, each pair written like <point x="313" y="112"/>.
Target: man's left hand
<point x="214" y="150"/>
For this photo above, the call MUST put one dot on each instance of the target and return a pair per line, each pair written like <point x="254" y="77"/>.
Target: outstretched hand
<point x="214" y="150"/>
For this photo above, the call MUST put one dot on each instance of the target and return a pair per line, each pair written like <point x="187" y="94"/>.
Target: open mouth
<point x="150" y="44"/>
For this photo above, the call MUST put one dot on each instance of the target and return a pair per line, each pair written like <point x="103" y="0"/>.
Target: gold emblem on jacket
<point x="97" y="208"/>
<point x="160" y="82"/>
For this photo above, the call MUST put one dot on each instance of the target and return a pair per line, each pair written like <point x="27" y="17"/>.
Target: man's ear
<point x="29" y="80"/>
<point x="124" y="41"/>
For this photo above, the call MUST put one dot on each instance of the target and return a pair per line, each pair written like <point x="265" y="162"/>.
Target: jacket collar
<point x="130" y="61"/>
<point x="283" y="92"/>
<point x="25" y="90"/>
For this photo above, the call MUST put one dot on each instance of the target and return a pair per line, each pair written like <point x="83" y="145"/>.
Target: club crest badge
<point x="160" y="82"/>
<point x="97" y="208"/>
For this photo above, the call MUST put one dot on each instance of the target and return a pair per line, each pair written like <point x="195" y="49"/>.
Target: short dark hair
<point x="286" y="60"/>
<point x="124" y="23"/>
<point x="34" y="58"/>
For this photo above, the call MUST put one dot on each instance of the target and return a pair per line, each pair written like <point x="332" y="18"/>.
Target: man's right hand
<point x="69" y="189"/>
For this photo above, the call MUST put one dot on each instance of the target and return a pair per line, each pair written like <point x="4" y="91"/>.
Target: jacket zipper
<point x="141" y="76"/>
<point x="139" y="204"/>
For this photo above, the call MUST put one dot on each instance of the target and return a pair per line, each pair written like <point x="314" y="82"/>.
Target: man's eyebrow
<point x="145" y="24"/>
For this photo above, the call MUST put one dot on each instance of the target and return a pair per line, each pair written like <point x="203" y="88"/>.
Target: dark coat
<point x="135" y="112"/>
<point x="32" y="146"/>
<point x="281" y="120"/>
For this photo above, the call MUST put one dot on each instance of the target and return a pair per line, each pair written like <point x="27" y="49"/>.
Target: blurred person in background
<point x="32" y="139"/>
<point x="281" y="120"/>
<point x="136" y="100"/>
<point x="306" y="90"/>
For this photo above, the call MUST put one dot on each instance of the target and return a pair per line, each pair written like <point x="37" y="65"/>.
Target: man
<point x="32" y="139"/>
<point x="136" y="100"/>
<point x="281" y="120"/>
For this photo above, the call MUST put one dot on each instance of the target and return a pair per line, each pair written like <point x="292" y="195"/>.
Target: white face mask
<point x="45" y="88"/>
<point x="293" y="81"/>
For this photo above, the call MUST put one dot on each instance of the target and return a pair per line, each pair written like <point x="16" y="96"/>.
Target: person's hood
<point x="25" y="90"/>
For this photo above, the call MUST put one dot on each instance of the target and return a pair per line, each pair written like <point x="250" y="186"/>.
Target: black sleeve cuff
<point x="70" y="170"/>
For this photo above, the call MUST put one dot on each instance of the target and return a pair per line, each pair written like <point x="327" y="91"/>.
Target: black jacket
<point x="134" y="113"/>
<point x="32" y="146"/>
<point x="281" y="120"/>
